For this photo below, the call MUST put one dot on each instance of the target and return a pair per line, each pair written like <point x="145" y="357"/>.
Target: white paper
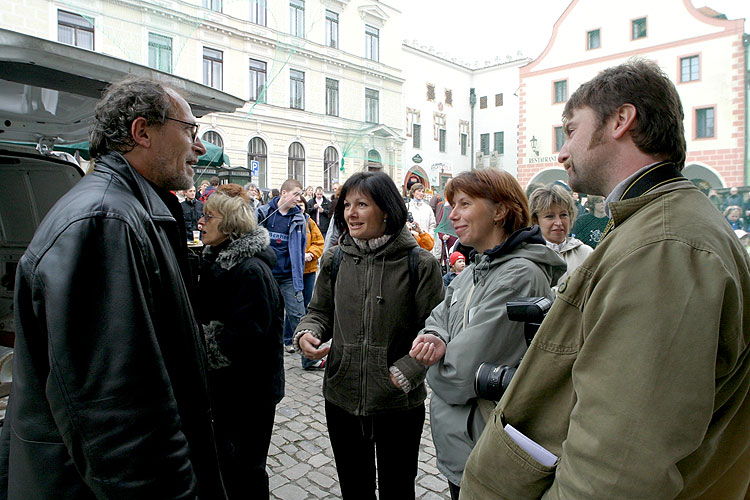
<point x="537" y="451"/>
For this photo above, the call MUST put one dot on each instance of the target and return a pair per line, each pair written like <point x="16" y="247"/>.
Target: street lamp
<point x="534" y="143"/>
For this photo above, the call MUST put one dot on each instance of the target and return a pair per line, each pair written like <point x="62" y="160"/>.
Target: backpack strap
<point x="338" y="255"/>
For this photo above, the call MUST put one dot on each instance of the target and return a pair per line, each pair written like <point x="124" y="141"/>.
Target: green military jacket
<point x="638" y="378"/>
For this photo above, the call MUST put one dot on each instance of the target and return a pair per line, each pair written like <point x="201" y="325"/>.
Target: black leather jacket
<point x="109" y="396"/>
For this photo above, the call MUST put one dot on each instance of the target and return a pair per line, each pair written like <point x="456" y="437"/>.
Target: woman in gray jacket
<point x="471" y="326"/>
<point x="372" y="296"/>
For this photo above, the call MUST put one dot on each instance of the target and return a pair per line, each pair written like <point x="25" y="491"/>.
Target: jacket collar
<point x="399" y="241"/>
<point x="621" y="210"/>
<point x="250" y="244"/>
<point x="144" y="190"/>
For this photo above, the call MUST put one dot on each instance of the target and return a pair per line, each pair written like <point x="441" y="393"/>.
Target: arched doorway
<point x="549" y="176"/>
<point x="696" y="173"/>
<point x="421" y="176"/>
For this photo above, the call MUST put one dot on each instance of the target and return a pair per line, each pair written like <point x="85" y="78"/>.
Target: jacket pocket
<point x="499" y="468"/>
<point x="381" y="393"/>
<point x="343" y="377"/>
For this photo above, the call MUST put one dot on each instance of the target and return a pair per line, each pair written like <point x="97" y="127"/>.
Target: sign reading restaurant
<point x="543" y="159"/>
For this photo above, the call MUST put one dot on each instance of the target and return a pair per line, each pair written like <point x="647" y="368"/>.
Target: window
<point x="330" y="168"/>
<point x="374" y="163"/>
<point x="448" y="97"/>
<point x="214" y="138"/>
<point x="257" y="80"/>
<point x="372" y="43"/>
<point x="332" y="29"/>
<point x="258" y="12"/>
<point x="296" y="162"/>
<point x="498" y="100"/>
<point x="464" y="141"/>
<point x="416" y="135"/>
<point x="593" y="40"/>
<point x="371" y="105"/>
<point x="559" y="138"/>
<point x="256" y="151"/>
<point x="212" y="67"/>
<point x="296" y="89"/>
<point x="704" y="123"/>
<point x="212" y="4"/>
<point x="499" y="143"/>
<point x="430" y="92"/>
<point x="332" y="97"/>
<point x="639" y="28"/>
<point x="483" y="102"/>
<point x="561" y="91"/>
<point x="297" y="18"/>
<point x="484" y="143"/>
<point x="75" y="30"/>
<point x="160" y="52"/>
<point x="690" y="69"/>
<point x="441" y="140"/>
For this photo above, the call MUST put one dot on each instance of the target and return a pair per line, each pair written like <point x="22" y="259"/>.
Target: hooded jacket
<point x="110" y="397"/>
<point x="574" y="252"/>
<point x="473" y="322"/>
<point x="297" y="239"/>
<point x="373" y="321"/>
<point x="242" y="311"/>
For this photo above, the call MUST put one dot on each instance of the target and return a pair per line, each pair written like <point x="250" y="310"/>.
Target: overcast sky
<point x="480" y="30"/>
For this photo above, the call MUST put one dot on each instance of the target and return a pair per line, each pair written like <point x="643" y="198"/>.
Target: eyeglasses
<point x="194" y="126"/>
<point x="208" y="217"/>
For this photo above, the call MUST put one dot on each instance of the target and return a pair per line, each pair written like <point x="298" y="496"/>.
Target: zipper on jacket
<point x="365" y="330"/>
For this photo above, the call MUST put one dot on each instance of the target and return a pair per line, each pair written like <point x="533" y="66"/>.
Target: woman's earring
<point x="495" y="223"/>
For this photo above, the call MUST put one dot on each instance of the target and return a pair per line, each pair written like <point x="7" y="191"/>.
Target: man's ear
<point x="624" y="120"/>
<point x="141" y="132"/>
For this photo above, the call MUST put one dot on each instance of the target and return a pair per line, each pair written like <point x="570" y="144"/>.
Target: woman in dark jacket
<point x="382" y="293"/>
<point x="242" y="312"/>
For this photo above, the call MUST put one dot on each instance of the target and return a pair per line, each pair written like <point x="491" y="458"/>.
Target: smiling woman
<point x="366" y="301"/>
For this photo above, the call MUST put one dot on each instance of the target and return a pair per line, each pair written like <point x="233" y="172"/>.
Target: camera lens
<point x="491" y="381"/>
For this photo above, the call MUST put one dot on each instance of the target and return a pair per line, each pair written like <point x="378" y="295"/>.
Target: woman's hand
<point x="309" y="257"/>
<point x="309" y="344"/>
<point x="427" y="349"/>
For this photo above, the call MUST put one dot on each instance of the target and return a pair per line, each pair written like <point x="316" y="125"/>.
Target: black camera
<point x="409" y="217"/>
<point x="491" y="380"/>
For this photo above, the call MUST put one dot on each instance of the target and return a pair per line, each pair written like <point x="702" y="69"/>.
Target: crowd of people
<point x="130" y="357"/>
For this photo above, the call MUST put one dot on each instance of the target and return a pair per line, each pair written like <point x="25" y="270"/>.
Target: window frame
<point x="213" y="63"/>
<point x="558" y="132"/>
<point x="158" y="51"/>
<point x="259" y="12"/>
<point x="697" y="57"/>
<point x="697" y="124"/>
<point x="442" y="133"/>
<point x="261" y="157"/>
<point x="72" y="23"/>
<point x="332" y="29"/>
<point x="296" y="86"/>
<point x="416" y="132"/>
<point x="498" y="100"/>
<point x="257" y="91"/>
<point x="209" y="4"/>
<point x="483" y="102"/>
<point x="633" y="24"/>
<point x="297" y="18"/>
<point x="372" y="105"/>
<point x="464" y="141"/>
<point x="332" y="97"/>
<point x="554" y="91"/>
<point x="330" y="168"/>
<point x="294" y="162"/>
<point x="484" y="143"/>
<point x="211" y="134"/>
<point x="372" y="43"/>
<point x="501" y="150"/>
<point x="598" y="32"/>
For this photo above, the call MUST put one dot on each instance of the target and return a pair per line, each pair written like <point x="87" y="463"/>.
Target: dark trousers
<point x="242" y="440"/>
<point x="391" y="438"/>
<point x="454" y="490"/>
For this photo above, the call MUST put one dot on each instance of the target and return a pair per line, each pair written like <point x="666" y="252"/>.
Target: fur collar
<point x="248" y="245"/>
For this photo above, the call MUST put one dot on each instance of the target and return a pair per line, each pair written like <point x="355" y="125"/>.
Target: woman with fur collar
<point x="242" y="312"/>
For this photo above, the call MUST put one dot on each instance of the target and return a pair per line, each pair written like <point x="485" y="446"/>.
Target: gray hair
<point x="120" y="105"/>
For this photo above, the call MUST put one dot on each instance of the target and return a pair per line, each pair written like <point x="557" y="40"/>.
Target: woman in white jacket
<point x="420" y="210"/>
<point x="552" y="209"/>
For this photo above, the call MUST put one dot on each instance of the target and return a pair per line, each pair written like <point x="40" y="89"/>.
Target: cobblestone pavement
<point x="300" y="459"/>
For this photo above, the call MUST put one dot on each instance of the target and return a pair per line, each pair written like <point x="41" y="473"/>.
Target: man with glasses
<point x="110" y="395"/>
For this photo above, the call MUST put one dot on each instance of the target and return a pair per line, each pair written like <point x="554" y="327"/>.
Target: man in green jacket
<point x="637" y="380"/>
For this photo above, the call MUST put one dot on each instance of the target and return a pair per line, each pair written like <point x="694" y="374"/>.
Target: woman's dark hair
<point x="120" y="105"/>
<point x="384" y="193"/>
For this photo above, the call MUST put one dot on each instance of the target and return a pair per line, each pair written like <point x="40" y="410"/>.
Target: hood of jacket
<point x="527" y="243"/>
<point x="252" y="244"/>
<point x="569" y="244"/>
